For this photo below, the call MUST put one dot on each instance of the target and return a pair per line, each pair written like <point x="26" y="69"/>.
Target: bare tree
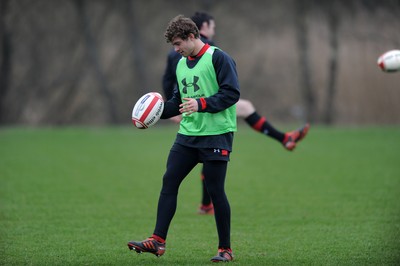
<point x="130" y="9"/>
<point x="303" y="46"/>
<point x="5" y="63"/>
<point x="333" y="25"/>
<point x="93" y="56"/>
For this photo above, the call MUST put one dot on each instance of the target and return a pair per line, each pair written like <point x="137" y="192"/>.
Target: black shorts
<point x="203" y="154"/>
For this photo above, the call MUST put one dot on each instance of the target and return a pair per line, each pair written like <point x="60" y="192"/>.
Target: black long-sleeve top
<point x="227" y="95"/>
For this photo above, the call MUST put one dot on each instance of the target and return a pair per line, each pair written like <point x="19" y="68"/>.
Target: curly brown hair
<point x="181" y="26"/>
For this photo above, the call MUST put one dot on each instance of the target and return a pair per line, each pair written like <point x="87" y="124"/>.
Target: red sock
<point x="158" y="239"/>
<point x="285" y="138"/>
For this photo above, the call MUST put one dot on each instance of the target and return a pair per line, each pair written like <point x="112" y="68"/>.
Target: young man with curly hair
<point x="208" y="90"/>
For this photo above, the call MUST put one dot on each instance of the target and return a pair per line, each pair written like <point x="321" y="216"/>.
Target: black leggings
<point x="179" y="165"/>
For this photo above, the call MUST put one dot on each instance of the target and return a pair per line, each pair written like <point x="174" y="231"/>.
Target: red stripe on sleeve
<point x="203" y="103"/>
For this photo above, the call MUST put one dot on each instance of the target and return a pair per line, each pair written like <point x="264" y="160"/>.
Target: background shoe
<point x="291" y="138"/>
<point x="206" y="209"/>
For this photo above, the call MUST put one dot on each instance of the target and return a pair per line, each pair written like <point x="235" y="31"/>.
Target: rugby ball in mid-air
<point x="147" y="110"/>
<point x="390" y="61"/>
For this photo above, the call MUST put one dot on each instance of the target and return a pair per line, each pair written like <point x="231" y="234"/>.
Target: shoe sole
<point x="139" y="250"/>
<point x="135" y="248"/>
<point x="220" y="260"/>
<point x="303" y="132"/>
<point x="205" y="213"/>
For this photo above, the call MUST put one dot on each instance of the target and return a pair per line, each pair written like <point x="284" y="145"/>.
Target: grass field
<point x="75" y="196"/>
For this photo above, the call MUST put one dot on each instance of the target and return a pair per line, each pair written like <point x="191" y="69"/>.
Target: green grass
<point x="75" y="196"/>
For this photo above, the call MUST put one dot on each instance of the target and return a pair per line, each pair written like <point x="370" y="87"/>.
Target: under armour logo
<point x="217" y="150"/>
<point x="193" y="84"/>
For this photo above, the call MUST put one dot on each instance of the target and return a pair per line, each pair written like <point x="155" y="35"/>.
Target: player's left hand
<point x="189" y="106"/>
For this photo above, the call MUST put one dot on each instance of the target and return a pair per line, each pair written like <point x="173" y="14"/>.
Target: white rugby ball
<point x="147" y="110"/>
<point x="390" y="61"/>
